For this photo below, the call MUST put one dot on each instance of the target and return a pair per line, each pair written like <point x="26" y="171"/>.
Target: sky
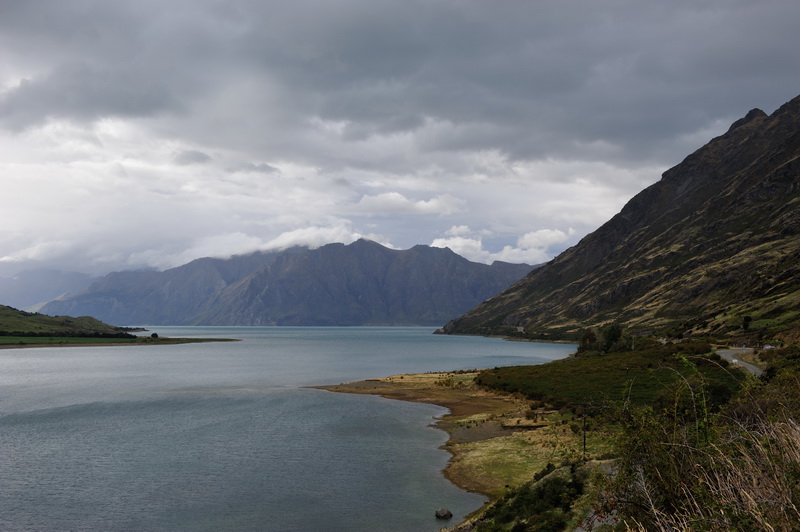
<point x="145" y="134"/>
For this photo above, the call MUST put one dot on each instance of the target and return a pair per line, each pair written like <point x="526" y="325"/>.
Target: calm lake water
<point x="223" y="436"/>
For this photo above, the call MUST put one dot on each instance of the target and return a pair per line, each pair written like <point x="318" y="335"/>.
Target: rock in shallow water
<point x="443" y="513"/>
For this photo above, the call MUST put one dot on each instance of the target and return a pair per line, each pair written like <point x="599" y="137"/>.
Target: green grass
<point x="20" y="323"/>
<point x="22" y="329"/>
<point x="28" y="341"/>
<point x="649" y="375"/>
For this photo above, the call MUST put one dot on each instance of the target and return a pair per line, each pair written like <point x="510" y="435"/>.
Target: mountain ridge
<point x="363" y="283"/>
<point x="676" y="255"/>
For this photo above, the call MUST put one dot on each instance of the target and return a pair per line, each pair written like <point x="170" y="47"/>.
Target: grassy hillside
<point x="712" y="249"/>
<point x="15" y="322"/>
<point x="24" y="329"/>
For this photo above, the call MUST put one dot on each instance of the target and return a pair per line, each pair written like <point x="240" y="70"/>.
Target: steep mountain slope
<point x="713" y="247"/>
<point x="360" y="284"/>
<point x="363" y="283"/>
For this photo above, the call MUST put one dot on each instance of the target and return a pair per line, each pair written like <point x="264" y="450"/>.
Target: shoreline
<point x="495" y="440"/>
<point x="141" y="341"/>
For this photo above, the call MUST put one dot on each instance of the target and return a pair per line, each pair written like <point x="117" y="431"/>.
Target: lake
<point x="224" y="436"/>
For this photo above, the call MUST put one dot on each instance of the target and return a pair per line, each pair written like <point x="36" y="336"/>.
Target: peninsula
<point x="28" y="329"/>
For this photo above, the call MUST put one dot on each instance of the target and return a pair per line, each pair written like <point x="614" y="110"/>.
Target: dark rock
<point x="444" y="513"/>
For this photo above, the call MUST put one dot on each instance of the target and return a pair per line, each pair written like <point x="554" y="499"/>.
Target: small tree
<point x="611" y="334"/>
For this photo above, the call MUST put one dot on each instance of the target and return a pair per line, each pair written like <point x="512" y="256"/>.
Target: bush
<point x="541" y="505"/>
<point x="738" y="469"/>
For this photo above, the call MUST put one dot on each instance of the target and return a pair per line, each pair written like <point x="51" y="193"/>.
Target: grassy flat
<point x="496" y="440"/>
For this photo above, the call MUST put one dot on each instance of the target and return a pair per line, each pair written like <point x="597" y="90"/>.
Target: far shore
<point x="19" y="342"/>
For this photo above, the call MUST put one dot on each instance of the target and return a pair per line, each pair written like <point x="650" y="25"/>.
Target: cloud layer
<point x="146" y="134"/>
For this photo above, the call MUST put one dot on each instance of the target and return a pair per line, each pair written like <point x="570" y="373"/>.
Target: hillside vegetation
<point x="695" y="443"/>
<point x="648" y="375"/>
<point x="712" y="249"/>
<point x="25" y="329"/>
<point x="15" y="322"/>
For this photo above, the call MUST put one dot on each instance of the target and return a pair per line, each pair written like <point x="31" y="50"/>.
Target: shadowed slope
<point x="713" y="247"/>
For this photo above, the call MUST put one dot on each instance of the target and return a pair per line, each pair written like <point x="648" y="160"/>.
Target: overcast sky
<point x="148" y="133"/>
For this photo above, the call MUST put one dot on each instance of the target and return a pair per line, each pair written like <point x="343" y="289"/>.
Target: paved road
<point x="732" y="355"/>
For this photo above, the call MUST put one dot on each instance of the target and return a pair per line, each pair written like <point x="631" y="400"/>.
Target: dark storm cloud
<point x="521" y="123"/>
<point x="83" y="93"/>
<point x="531" y="79"/>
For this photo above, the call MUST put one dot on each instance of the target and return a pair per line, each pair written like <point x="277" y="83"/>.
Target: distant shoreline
<point x="70" y="341"/>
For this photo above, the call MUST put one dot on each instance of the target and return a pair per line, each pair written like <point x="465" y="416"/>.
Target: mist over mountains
<point x="363" y="283"/>
<point x="29" y="289"/>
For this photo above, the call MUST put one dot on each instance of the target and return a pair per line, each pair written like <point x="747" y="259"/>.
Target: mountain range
<point x="363" y="283"/>
<point x="713" y="248"/>
<point x="29" y="289"/>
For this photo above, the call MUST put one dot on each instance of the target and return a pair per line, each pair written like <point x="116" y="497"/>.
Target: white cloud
<point x="532" y="248"/>
<point x="458" y="230"/>
<point x="389" y="203"/>
<point x="470" y="248"/>
<point x="313" y="237"/>
<point x="542" y="239"/>
<point x="39" y="251"/>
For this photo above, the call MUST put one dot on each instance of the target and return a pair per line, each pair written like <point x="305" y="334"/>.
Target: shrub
<point x="738" y="469"/>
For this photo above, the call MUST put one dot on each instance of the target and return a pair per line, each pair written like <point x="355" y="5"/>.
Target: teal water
<point x="223" y="436"/>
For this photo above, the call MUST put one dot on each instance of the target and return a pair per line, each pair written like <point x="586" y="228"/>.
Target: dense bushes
<point x="738" y="469"/>
<point x="537" y="506"/>
<point x="643" y="376"/>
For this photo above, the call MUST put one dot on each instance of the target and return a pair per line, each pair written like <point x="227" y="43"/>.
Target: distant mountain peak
<point x="749" y="117"/>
